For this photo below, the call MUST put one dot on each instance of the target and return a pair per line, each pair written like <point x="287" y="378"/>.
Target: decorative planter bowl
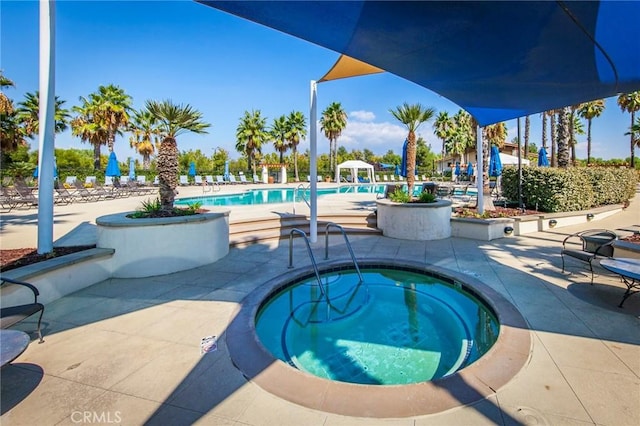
<point x="158" y="246"/>
<point x="415" y="221"/>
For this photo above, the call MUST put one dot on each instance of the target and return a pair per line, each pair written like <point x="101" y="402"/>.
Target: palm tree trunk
<point x="588" y="141"/>
<point x="167" y="172"/>
<point x="96" y="156"/>
<point x="411" y="161"/>
<point x="295" y="163"/>
<point x="544" y="130"/>
<point x="554" y="141"/>
<point x="527" y="130"/>
<point x="564" y="135"/>
<point x="633" y="158"/>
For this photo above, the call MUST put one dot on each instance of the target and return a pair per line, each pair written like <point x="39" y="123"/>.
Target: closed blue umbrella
<point x="495" y="165"/>
<point x="132" y="169"/>
<point x="457" y="169"/>
<point x="113" y="168"/>
<point x="543" y="160"/>
<point x="226" y="170"/>
<point x="55" y="171"/>
<point x="398" y="171"/>
<point x="470" y="169"/>
<point x="403" y="164"/>
<point x="192" y="169"/>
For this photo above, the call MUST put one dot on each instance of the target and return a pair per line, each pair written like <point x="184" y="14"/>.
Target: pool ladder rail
<point x="323" y="292"/>
<point x="301" y="189"/>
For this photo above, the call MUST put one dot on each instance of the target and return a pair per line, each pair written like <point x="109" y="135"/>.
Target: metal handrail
<point x="304" y="198"/>
<point x="313" y="259"/>
<point x="346" y="239"/>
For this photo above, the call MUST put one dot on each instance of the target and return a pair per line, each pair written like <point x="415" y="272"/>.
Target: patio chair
<point x="591" y="243"/>
<point x="70" y="180"/>
<point x="184" y="180"/>
<point x="90" y="180"/>
<point x="385" y="178"/>
<point x="243" y="179"/>
<point x="156" y="181"/>
<point x="63" y="196"/>
<point x="256" y="179"/>
<point x="232" y="179"/>
<point x="108" y="181"/>
<point x="14" y="314"/>
<point x="10" y="198"/>
<point x="84" y="194"/>
<point x="209" y="179"/>
<point x="220" y="180"/>
<point x="197" y="180"/>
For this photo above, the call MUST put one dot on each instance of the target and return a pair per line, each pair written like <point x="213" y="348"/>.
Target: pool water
<point x="279" y="195"/>
<point x="396" y="327"/>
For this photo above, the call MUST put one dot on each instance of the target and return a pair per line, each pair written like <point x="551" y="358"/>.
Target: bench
<point x="593" y="243"/>
<point x="14" y="314"/>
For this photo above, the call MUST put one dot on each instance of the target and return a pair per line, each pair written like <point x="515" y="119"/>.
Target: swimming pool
<point x="395" y="327"/>
<point x="279" y="195"/>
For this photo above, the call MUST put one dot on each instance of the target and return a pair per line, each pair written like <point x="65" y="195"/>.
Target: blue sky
<point x="223" y="66"/>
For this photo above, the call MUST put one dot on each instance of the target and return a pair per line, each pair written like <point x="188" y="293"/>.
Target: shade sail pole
<point x="480" y="169"/>
<point x="313" y="163"/>
<point x="46" y="131"/>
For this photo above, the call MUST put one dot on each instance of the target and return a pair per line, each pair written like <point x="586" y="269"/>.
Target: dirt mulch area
<point x="16" y="258"/>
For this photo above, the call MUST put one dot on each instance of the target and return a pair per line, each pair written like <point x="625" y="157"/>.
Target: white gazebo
<point x="354" y="166"/>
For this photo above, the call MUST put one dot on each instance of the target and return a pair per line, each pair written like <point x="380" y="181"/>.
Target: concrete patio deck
<point x="126" y="351"/>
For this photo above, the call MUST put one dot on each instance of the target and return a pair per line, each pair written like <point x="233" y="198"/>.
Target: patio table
<point x="629" y="271"/>
<point x="12" y="344"/>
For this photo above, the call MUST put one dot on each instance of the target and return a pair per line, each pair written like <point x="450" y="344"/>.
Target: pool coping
<point x="483" y="378"/>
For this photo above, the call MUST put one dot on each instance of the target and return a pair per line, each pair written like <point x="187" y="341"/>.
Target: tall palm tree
<point x="11" y="132"/>
<point x="527" y="132"/>
<point x="564" y="137"/>
<point x="589" y="111"/>
<point x="173" y="120"/>
<point x="278" y="131"/>
<point x="412" y="116"/>
<point x="113" y="106"/>
<point x="630" y="102"/>
<point x="576" y="129"/>
<point x="544" y="130"/>
<point x="442" y="128"/>
<point x="86" y="126"/>
<point x="462" y="135"/>
<point x="28" y="113"/>
<point x="332" y="122"/>
<point x="296" y="126"/>
<point x="144" y="135"/>
<point x="251" y="133"/>
<point x="634" y="131"/>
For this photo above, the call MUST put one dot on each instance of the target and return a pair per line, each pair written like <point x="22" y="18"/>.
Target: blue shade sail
<point x="497" y="60"/>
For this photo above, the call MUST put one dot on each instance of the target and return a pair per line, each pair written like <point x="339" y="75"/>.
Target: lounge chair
<point x="220" y="180"/>
<point x="256" y="179"/>
<point x="10" y="198"/>
<point x="209" y="179"/>
<point x="232" y="179"/>
<point x="197" y="180"/>
<point x="243" y="179"/>
<point x="385" y="178"/>
<point x="63" y="196"/>
<point x="587" y="245"/>
<point x="156" y="181"/>
<point x="71" y="180"/>
<point x="184" y="180"/>
<point x="108" y="181"/>
<point x="142" y="180"/>
<point x="90" y="180"/>
<point x="84" y="194"/>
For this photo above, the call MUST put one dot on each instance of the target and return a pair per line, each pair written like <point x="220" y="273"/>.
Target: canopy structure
<point x="512" y="160"/>
<point x="498" y="60"/>
<point x="354" y="166"/>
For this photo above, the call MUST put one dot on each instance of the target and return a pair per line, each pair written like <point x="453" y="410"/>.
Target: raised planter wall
<point x="148" y="247"/>
<point x="414" y="221"/>
<point x="480" y="229"/>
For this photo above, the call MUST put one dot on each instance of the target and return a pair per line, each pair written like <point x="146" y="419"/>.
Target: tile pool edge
<point x="472" y="384"/>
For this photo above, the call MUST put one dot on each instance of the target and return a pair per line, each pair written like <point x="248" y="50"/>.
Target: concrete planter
<point x="148" y="247"/>
<point x="415" y="221"/>
<point x="481" y="229"/>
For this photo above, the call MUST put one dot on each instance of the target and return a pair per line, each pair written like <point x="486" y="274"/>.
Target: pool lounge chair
<point x="184" y="180"/>
<point x="243" y="179"/>
<point x="209" y="179"/>
<point x="232" y="179"/>
<point x="220" y="180"/>
<point x="197" y="180"/>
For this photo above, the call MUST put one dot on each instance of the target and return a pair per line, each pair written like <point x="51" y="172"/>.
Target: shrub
<point x="561" y="190"/>
<point x="426" y="197"/>
<point x="399" y="196"/>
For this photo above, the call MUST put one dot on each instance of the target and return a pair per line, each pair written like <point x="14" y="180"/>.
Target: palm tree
<point x="172" y="120"/>
<point x="332" y="123"/>
<point x="576" y="129"/>
<point x="145" y="134"/>
<point x="462" y="135"/>
<point x="544" y="130"/>
<point x="634" y="131"/>
<point x="86" y="126"/>
<point x="494" y="134"/>
<point x="412" y="116"/>
<point x="278" y="131"/>
<point x="442" y="127"/>
<point x="11" y="133"/>
<point x="296" y="126"/>
<point x="630" y="102"/>
<point x="589" y="111"/>
<point x="250" y="135"/>
<point x="113" y="106"/>
<point x="564" y="137"/>
<point x="527" y="131"/>
<point x="28" y="113"/>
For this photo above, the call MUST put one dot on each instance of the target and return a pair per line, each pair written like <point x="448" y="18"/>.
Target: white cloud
<point x="378" y="137"/>
<point x="362" y="115"/>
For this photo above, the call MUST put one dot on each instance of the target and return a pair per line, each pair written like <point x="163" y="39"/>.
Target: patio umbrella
<point x="55" y="171"/>
<point x="495" y="165"/>
<point x="543" y="160"/>
<point x="192" y="169"/>
<point x="403" y="164"/>
<point x="132" y="169"/>
<point x="226" y="170"/>
<point x="470" y="169"/>
<point x="398" y="171"/>
<point x="113" y="168"/>
<point x="457" y="169"/>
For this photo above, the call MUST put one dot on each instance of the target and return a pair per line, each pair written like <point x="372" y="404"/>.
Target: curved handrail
<point x="346" y="239"/>
<point x="304" y="198"/>
<point x="313" y="259"/>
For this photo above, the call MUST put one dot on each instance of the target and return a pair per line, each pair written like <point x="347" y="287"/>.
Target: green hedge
<point x="563" y="190"/>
